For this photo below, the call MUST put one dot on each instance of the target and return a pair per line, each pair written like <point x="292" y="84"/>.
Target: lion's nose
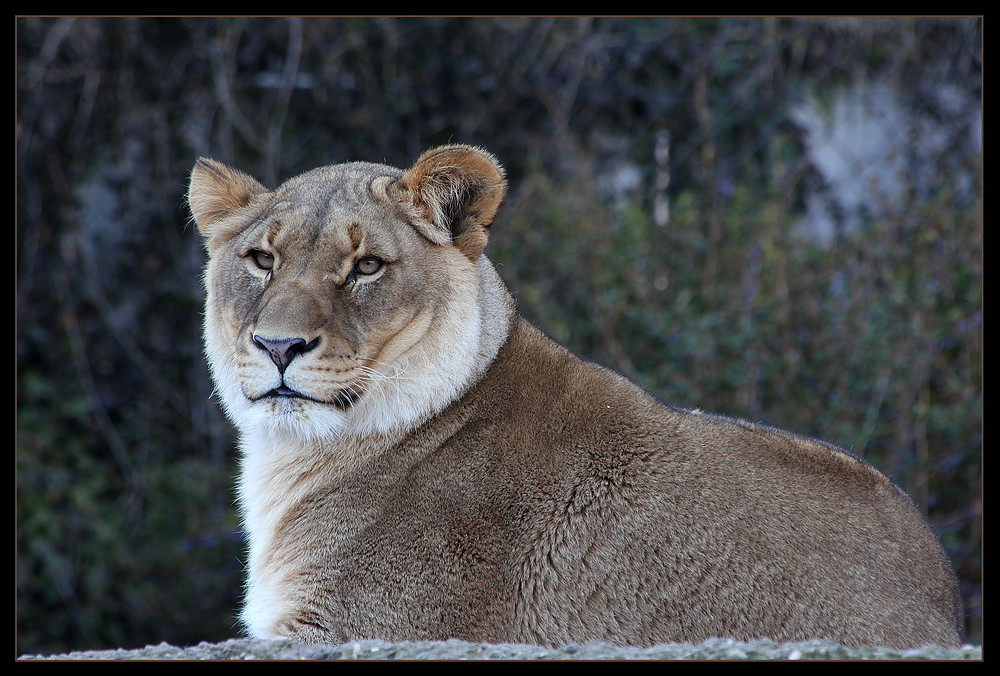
<point x="283" y="350"/>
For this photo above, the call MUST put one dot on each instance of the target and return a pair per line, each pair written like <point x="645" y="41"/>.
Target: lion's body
<point x="421" y="463"/>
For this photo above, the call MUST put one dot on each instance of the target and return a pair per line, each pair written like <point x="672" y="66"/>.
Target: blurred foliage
<point x="126" y="532"/>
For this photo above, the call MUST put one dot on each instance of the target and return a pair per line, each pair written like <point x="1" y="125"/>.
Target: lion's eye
<point x="369" y="265"/>
<point x="262" y="260"/>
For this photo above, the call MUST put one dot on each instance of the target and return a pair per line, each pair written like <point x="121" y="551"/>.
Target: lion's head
<point x="350" y="300"/>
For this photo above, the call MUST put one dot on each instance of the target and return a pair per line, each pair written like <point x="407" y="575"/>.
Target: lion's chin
<point x="296" y="418"/>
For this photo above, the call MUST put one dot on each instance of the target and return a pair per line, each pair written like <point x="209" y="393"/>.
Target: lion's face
<point x="334" y="308"/>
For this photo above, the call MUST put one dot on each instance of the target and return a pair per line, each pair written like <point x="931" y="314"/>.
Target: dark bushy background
<point x="126" y="530"/>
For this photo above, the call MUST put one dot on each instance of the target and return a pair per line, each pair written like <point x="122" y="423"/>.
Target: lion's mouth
<point x="283" y="393"/>
<point x="344" y="399"/>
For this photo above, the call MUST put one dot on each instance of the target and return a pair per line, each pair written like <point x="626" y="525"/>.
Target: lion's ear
<point x="218" y="192"/>
<point x="452" y="194"/>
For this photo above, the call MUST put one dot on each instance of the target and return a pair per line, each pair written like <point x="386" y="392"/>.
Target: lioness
<point x="419" y="462"/>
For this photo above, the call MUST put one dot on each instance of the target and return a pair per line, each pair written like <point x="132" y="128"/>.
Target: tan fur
<point x="428" y="465"/>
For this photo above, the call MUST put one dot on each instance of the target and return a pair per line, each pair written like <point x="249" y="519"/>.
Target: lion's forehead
<point x="330" y="205"/>
<point x="340" y="186"/>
